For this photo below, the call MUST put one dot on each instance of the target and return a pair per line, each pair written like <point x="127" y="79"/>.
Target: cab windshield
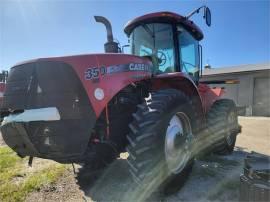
<point x="155" y="40"/>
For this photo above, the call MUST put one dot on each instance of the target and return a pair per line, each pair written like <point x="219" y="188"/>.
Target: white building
<point x="250" y="88"/>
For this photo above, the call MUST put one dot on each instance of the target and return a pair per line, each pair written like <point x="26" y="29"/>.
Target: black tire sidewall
<point x="218" y="124"/>
<point x="179" y="103"/>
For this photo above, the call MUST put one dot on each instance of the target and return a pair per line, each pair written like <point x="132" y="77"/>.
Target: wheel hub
<point x="177" y="143"/>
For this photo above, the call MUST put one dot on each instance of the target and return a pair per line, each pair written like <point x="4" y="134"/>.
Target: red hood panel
<point x="110" y="72"/>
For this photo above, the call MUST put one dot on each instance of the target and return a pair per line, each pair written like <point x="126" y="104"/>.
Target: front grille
<point x="50" y="84"/>
<point x="17" y="87"/>
<point x="46" y="84"/>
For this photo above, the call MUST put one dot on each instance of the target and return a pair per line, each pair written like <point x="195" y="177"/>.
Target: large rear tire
<point x="160" y="142"/>
<point x="223" y="122"/>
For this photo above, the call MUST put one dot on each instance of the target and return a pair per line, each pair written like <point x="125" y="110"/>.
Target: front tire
<point x="160" y="141"/>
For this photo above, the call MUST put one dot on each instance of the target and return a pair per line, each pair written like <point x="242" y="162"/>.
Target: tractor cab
<point x="170" y="40"/>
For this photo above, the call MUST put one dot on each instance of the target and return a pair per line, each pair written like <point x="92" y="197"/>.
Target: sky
<point x="240" y="31"/>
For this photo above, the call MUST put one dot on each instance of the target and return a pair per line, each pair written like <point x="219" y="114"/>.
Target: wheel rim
<point x="178" y="142"/>
<point x="231" y="122"/>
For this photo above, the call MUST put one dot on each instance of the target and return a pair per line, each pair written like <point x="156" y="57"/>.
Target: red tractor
<point x="90" y="108"/>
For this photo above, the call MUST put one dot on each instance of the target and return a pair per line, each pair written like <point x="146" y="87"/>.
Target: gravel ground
<point x="64" y="189"/>
<point x="255" y="134"/>
<point x="214" y="178"/>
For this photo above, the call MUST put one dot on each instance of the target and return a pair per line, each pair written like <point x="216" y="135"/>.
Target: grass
<point x="17" y="180"/>
<point x="8" y="158"/>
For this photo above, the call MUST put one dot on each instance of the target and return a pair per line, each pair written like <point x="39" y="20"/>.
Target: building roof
<point x="236" y="69"/>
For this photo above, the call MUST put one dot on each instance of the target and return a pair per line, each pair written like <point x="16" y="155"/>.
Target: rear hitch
<point x="74" y="170"/>
<point x="30" y="161"/>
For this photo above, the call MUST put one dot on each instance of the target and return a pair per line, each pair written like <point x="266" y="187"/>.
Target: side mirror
<point x="207" y="16"/>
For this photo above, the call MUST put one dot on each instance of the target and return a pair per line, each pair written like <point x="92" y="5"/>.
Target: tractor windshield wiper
<point x="148" y="30"/>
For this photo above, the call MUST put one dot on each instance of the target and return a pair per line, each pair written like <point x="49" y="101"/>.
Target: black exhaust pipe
<point x="110" y="46"/>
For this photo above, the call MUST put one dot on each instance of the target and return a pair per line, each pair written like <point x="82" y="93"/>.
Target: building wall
<point x="261" y="96"/>
<point x="248" y="102"/>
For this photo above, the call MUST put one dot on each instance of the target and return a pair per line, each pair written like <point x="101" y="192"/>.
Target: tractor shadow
<point x="213" y="178"/>
<point x="110" y="184"/>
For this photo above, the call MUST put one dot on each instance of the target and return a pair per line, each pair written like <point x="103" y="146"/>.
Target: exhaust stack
<point x="110" y="46"/>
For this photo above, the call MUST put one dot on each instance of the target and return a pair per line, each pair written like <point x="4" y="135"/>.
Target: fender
<point x="203" y="94"/>
<point x="182" y="82"/>
<point x="209" y="95"/>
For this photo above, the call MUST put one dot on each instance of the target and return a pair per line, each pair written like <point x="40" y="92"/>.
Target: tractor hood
<point x="50" y="105"/>
<point x="93" y="70"/>
<point x="92" y="60"/>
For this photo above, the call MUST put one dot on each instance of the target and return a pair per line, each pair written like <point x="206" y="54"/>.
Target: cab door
<point x="188" y="54"/>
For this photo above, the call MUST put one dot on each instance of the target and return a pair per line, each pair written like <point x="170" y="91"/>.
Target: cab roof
<point x="168" y="17"/>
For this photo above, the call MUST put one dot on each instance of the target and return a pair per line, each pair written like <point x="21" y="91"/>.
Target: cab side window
<point x="189" y="54"/>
